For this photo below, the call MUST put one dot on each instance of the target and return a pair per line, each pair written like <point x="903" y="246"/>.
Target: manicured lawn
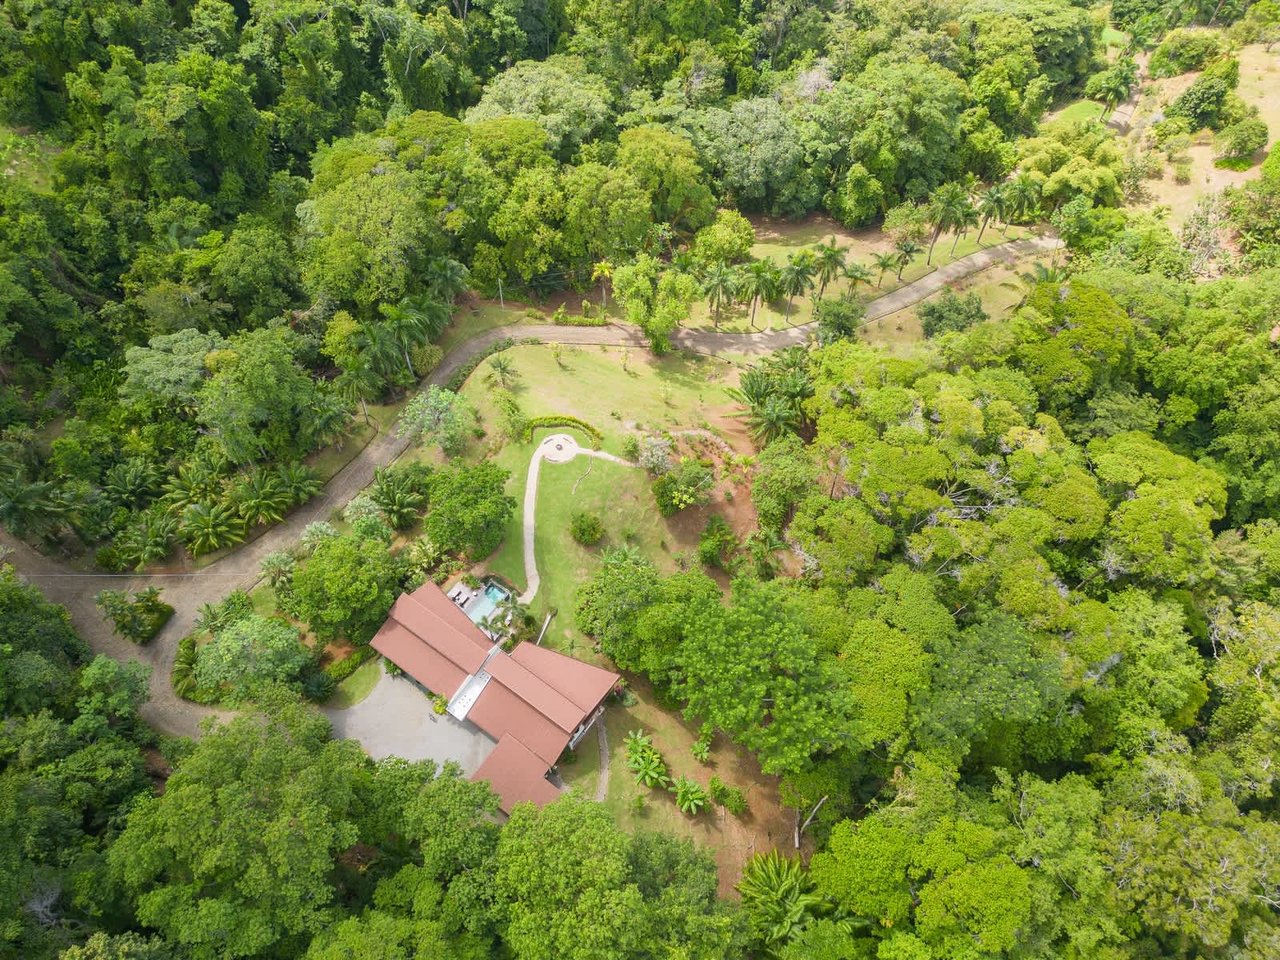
<point x="264" y="600"/>
<point x="1078" y="110"/>
<point x="650" y="393"/>
<point x="357" y="686"/>
<point x="621" y="497"/>
<point x="609" y="388"/>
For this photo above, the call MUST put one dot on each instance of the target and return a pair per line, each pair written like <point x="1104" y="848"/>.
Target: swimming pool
<point x="483" y="606"/>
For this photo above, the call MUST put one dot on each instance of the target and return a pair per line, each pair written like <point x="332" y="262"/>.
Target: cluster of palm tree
<point x="774" y="392"/>
<point x="763" y="281"/>
<point x="1112" y="86"/>
<point x="384" y="347"/>
<point x="954" y="208"/>
<point x="208" y="510"/>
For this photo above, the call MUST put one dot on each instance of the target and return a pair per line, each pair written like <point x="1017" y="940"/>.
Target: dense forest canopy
<point x="1007" y="627"/>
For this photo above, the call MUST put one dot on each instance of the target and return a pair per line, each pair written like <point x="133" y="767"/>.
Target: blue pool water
<point x="483" y="605"/>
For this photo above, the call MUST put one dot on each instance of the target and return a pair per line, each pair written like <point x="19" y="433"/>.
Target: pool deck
<point x="475" y="602"/>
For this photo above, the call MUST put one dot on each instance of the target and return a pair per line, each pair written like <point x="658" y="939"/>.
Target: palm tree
<point x="446" y="278"/>
<point x="131" y="483"/>
<point x="778" y="896"/>
<point x="147" y="539"/>
<point x="857" y="273"/>
<point x="259" y="498"/>
<point x="299" y="481"/>
<point x="949" y="209"/>
<point x="992" y="205"/>
<point x="195" y="482"/>
<point x="966" y="217"/>
<point x="1040" y="273"/>
<point x="885" y="262"/>
<point x="31" y="508"/>
<point x="719" y="285"/>
<point x="602" y="271"/>
<point x="1023" y="197"/>
<point x="359" y="384"/>
<point x="829" y="264"/>
<point x="210" y="526"/>
<point x="797" y="277"/>
<point x="908" y="250"/>
<point x="760" y="282"/>
<point x="502" y="371"/>
<point x="770" y="420"/>
<point x="378" y="346"/>
<point x="411" y="323"/>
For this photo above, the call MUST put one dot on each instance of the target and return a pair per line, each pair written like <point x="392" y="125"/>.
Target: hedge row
<point x="340" y="670"/>
<point x="460" y="375"/>
<point x="563" y="420"/>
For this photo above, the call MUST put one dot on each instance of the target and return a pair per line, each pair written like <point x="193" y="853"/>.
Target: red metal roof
<point x="535" y="698"/>
<point x="500" y="711"/>
<point x="580" y="682"/>
<point x="516" y="775"/>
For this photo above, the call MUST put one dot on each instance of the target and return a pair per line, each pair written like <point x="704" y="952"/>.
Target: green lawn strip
<point x="621" y="497"/>
<point x="357" y="686"/>
<point x="263" y="597"/>
<point x="999" y="290"/>
<point x="1079" y="110"/>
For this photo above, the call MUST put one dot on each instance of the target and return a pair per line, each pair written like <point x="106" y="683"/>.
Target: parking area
<point x="396" y="720"/>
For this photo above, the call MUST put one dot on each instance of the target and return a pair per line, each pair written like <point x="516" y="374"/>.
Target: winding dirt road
<point x="187" y="592"/>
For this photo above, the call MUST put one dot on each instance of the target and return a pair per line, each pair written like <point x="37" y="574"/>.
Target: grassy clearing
<point x="780" y="239"/>
<point x="618" y="392"/>
<point x="621" y="497"/>
<point x="729" y="839"/>
<point x="263" y="597"/>
<point x="473" y="317"/>
<point x="1114" y="40"/>
<point x="1077" y="110"/>
<point x="27" y="158"/>
<point x="357" y="686"/>
<point x="658" y="393"/>
<point x="1000" y="288"/>
<point x="1259" y="83"/>
<point x="609" y="387"/>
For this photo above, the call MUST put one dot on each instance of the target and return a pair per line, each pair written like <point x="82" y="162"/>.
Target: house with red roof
<point x="535" y="703"/>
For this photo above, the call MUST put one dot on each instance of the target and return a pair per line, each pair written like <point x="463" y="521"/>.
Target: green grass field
<point x="608" y="387"/>
<point x="357" y="686"/>
<point x="785" y="239"/>
<point x="475" y="318"/>
<point x="1078" y="110"/>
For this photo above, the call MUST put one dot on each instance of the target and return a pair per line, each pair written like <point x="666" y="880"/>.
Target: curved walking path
<point x="187" y="592"/>
<point x="557" y="448"/>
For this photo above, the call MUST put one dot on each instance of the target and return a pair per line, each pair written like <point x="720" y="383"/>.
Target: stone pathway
<point x="187" y="592"/>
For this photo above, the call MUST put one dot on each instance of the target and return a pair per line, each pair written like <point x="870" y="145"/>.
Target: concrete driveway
<point x="396" y="720"/>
